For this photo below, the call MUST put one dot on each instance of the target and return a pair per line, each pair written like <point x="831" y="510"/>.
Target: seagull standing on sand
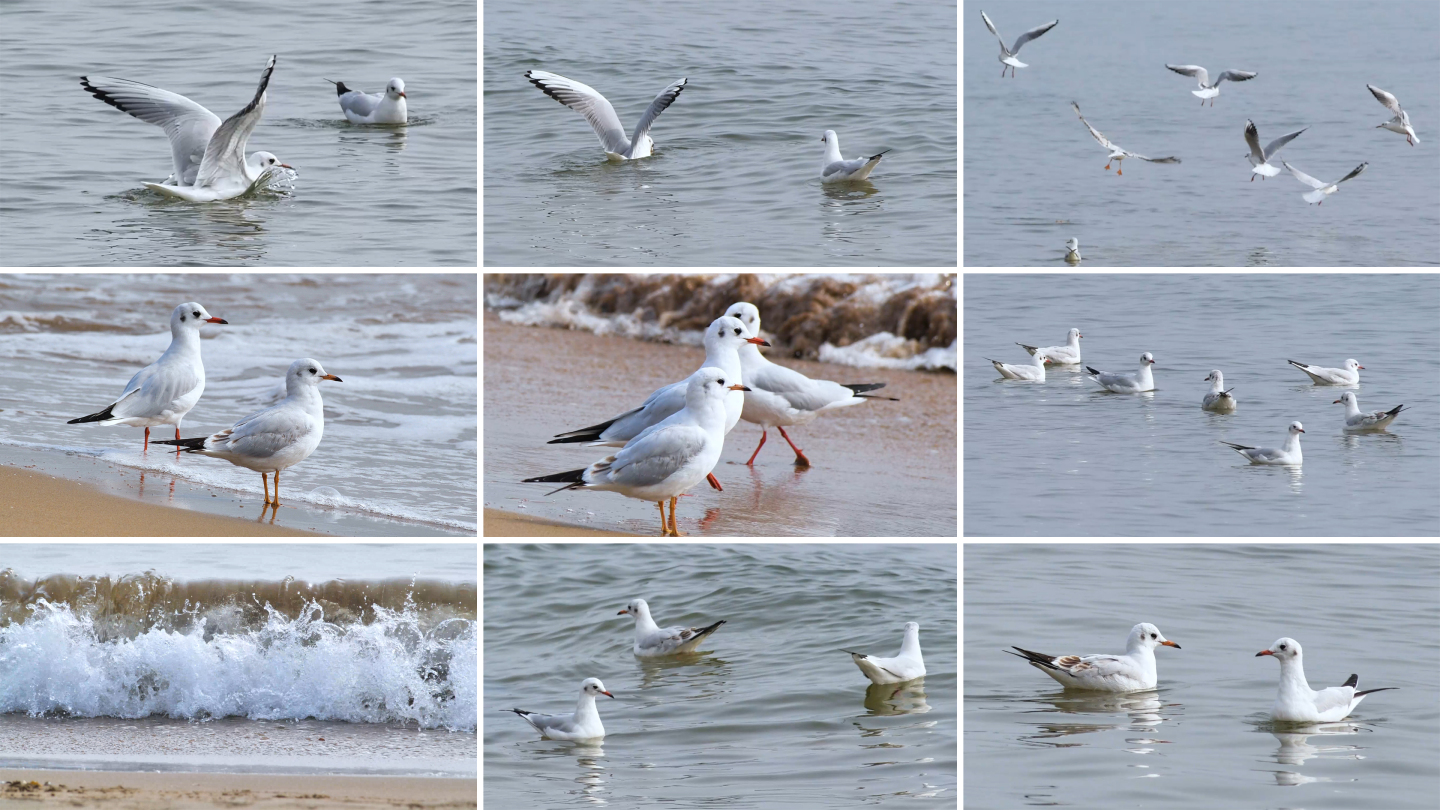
<point x="907" y="665"/>
<point x="1260" y="158"/>
<point x="1401" y="122"/>
<point x="1322" y="189"/>
<point x="1296" y="702"/>
<point x="373" y="108"/>
<point x="1208" y="90"/>
<point x="1007" y="55"/>
<point x="835" y="169"/>
<point x="1116" y="153"/>
<point x="587" y="101"/>
<point x="1289" y="454"/>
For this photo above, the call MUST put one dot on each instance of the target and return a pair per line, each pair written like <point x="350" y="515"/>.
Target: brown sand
<point x="500" y="524"/>
<point x="182" y="791"/>
<point x="33" y="504"/>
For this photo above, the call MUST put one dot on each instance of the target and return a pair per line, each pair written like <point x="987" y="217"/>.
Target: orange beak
<point x="1169" y="644"/>
<point x="625" y="612"/>
<point x="735" y="387"/>
<point x="1264" y="652"/>
<point x="757" y="341"/>
<point x="331" y="377"/>
<point x="606" y="694"/>
<point x="217" y="320"/>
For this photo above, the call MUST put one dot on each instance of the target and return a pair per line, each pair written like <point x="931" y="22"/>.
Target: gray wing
<point x="225" y="154"/>
<point x="1309" y="181"/>
<point x="1093" y="131"/>
<point x="584" y="99"/>
<point x="991" y="26"/>
<point x="1252" y="139"/>
<point x="150" y="391"/>
<point x="1031" y="34"/>
<point x="1171" y="159"/>
<point x="266" y="432"/>
<point x="799" y="391"/>
<point x="361" y="104"/>
<point x="1333" y="697"/>
<point x="1281" y="141"/>
<point x="1391" y="103"/>
<point x="665" y="99"/>
<point x="1192" y="70"/>
<point x="1357" y="170"/>
<point x="845" y="166"/>
<point x="656" y="454"/>
<point x="1236" y="76"/>
<point x="187" y="124"/>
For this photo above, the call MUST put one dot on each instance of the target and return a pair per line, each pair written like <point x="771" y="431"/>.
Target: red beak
<point x="607" y="694"/>
<point x="217" y="320"/>
<point x="1263" y="652"/>
<point x="757" y="341"/>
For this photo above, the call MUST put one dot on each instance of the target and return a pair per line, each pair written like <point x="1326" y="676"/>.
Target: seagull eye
<point x="1152" y="635"/>
<point x="196" y="314"/>
<point x="312" y="370"/>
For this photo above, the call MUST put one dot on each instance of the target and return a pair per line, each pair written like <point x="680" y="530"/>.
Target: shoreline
<point x="500" y="524"/>
<point x="111" y="789"/>
<point x="34" y="504"/>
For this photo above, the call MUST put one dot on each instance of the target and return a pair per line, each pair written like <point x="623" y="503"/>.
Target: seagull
<point x="652" y="641"/>
<point x="1218" y="400"/>
<point x="1034" y="373"/>
<point x="584" y="724"/>
<point x="1349" y="375"/>
<point x="1289" y="454"/>
<point x="836" y="169"/>
<point x="274" y="438"/>
<point x="587" y="101"/>
<point x="373" y="108"/>
<point x="1116" y="153"/>
<point x="1208" y="90"/>
<point x="1073" y="246"/>
<point x="1355" y="420"/>
<point x="1401" y="122"/>
<point x="1260" y="158"/>
<point x="1131" y="672"/>
<point x="1007" y="55"/>
<point x="1296" y="702"/>
<point x="779" y="396"/>
<point x="1136" y="383"/>
<point x="1068" y="355"/>
<point x="164" y="391"/>
<point x="667" y="458"/>
<point x="209" y="156"/>
<point x="1321" y="189"/>
<point x="907" y="665"/>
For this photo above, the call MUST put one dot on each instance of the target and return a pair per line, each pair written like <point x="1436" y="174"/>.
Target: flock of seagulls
<point x="652" y="641"/>
<point x="1218" y="399"/>
<point x="1134" y="671"/>
<point x="1259" y="158"/>
<point x="588" y="101"/>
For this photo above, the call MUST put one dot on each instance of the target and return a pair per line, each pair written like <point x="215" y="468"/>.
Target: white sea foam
<point x="389" y="670"/>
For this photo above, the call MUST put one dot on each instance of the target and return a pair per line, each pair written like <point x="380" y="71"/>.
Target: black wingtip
<point x="1091" y="370"/>
<point x="340" y="88"/>
<point x="569" y="477"/>
<point x="186" y="444"/>
<point x="94" y="417"/>
<point x="1381" y="689"/>
<point x="1351" y="681"/>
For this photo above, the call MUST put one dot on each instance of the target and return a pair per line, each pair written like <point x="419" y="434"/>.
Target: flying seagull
<point x="1007" y="55"/>
<point x="1116" y="153"/>
<point x="1208" y="90"/>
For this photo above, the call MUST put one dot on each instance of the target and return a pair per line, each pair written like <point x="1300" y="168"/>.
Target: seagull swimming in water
<point x="1401" y="122"/>
<point x="1073" y="245"/>
<point x="1007" y="55"/>
<point x="1208" y="90"/>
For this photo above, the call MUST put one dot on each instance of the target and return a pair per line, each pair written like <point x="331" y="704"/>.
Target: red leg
<point x="714" y="483"/>
<point x="800" y="459"/>
<point x="1252" y="177"/>
<point x="1119" y="170"/>
<point x="147" y="440"/>
<point x="751" y="462"/>
<point x="1107" y="165"/>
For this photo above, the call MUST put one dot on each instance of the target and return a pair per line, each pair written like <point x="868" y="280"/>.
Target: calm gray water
<point x="365" y="196"/>
<point x="1034" y="177"/>
<point x="735" y="175"/>
<point x="1204" y="739"/>
<point x="771" y="717"/>
<point x="1067" y="458"/>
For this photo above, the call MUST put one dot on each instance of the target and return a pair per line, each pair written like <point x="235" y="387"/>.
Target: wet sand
<point x="880" y="469"/>
<point x="33" y="504"/>
<point x="180" y="791"/>
<point x="500" y="524"/>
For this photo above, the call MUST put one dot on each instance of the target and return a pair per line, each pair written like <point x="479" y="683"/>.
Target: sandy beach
<point x="882" y="468"/>
<point x="33" y="504"/>
<point x="181" y="791"/>
<point x="499" y="523"/>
